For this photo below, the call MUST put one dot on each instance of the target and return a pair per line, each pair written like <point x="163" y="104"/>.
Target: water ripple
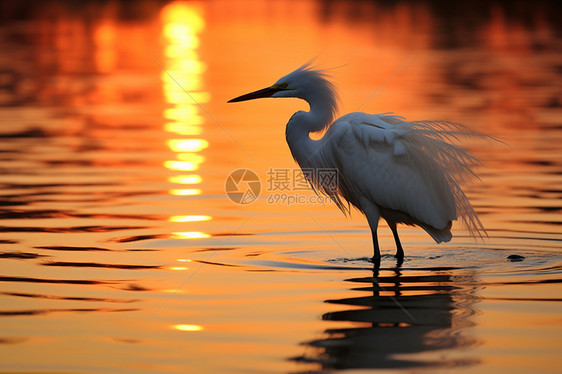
<point x="69" y="298"/>
<point x="21" y="255"/>
<point x="55" y="281"/>
<point x="100" y="265"/>
<point x="36" y="312"/>
<point x="64" y="230"/>
<point x="45" y="214"/>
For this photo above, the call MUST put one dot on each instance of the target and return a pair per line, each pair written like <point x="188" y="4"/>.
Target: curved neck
<point x="321" y="113"/>
<point x="297" y="133"/>
<point x="320" y="116"/>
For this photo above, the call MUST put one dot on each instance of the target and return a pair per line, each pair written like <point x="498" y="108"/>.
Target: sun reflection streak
<point x="187" y="145"/>
<point x="183" y="87"/>
<point x="185" y="179"/>
<point x="184" y="128"/>
<point x="191" y="157"/>
<point x="181" y="165"/>
<point x="178" y="268"/>
<point x="185" y="192"/>
<point x="180" y="112"/>
<point x="182" y="23"/>
<point x="190" y="235"/>
<point x="185" y="327"/>
<point x="189" y="219"/>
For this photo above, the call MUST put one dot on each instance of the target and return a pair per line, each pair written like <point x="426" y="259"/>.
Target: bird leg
<point x="399" y="250"/>
<point x="376" y="251"/>
<point x="372" y="213"/>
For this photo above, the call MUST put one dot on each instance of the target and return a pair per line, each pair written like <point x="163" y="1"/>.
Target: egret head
<point x="306" y="83"/>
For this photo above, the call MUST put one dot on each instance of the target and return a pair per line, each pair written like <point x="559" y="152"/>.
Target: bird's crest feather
<point x="325" y="91"/>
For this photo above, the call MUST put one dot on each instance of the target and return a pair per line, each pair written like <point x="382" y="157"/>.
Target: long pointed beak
<point x="266" y="92"/>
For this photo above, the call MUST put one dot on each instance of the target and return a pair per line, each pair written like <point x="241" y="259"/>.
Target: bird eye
<point x="283" y="85"/>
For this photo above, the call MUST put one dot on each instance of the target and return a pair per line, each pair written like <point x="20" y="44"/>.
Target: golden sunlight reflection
<point x="184" y="128"/>
<point x="189" y="219"/>
<point x="192" y="157"/>
<point x="185" y="327"/>
<point x="183" y="87"/>
<point x="190" y="235"/>
<point x="181" y="165"/>
<point x="185" y="179"/>
<point x="187" y="145"/>
<point x="185" y="191"/>
<point x="182" y="110"/>
<point x="178" y="268"/>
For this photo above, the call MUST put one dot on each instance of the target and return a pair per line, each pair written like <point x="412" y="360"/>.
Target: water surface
<point x="121" y="252"/>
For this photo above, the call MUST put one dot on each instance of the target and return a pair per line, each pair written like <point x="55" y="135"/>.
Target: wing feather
<point x="416" y="167"/>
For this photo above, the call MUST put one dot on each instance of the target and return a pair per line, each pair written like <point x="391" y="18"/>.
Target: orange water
<point x="121" y="252"/>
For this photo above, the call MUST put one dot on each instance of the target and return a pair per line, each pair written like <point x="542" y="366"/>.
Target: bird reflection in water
<point x="408" y="319"/>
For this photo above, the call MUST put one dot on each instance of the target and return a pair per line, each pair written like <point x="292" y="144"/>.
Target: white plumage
<point x="403" y="171"/>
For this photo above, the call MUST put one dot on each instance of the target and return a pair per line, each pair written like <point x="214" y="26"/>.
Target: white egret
<point x="403" y="171"/>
